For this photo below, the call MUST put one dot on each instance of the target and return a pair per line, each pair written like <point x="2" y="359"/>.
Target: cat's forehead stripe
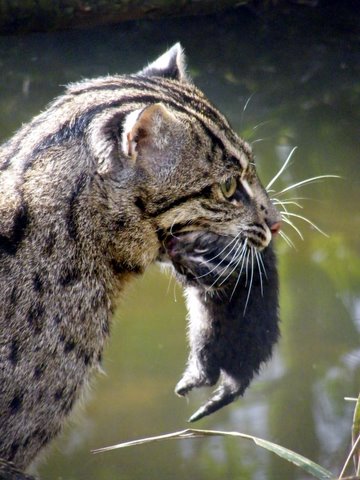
<point x="236" y="155"/>
<point x="121" y="92"/>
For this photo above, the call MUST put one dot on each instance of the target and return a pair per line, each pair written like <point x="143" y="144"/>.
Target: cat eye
<point x="228" y="188"/>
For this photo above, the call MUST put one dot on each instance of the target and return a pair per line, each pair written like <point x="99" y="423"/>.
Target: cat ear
<point x="148" y="133"/>
<point x="169" y="65"/>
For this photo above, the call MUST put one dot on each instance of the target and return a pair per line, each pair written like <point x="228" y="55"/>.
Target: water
<point x="299" y="81"/>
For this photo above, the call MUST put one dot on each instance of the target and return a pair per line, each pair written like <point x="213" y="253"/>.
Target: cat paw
<point x="188" y="382"/>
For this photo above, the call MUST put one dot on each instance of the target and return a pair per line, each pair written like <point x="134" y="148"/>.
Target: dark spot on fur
<point x="13" y="451"/>
<point x="261" y="235"/>
<point x="50" y="243"/>
<point x="161" y="234"/>
<point x="57" y="319"/>
<point x="140" y="204"/>
<point x="35" y="317"/>
<point x="38" y="371"/>
<point x="84" y="356"/>
<point x="40" y="395"/>
<point x="71" y="213"/>
<point x="106" y="327"/>
<point x="16" y="403"/>
<point x="197" y="139"/>
<point x="262" y="208"/>
<point x="86" y="359"/>
<point x="68" y="404"/>
<point x="14" y="352"/>
<point x="14" y="296"/>
<point x="98" y="301"/>
<point x="209" y="157"/>
<point x="99" y="357"/>
<point x="38" y="284"/>
<point x="13" y="299"/>
<point x="45" y="439"/>
<point x="257" y="225"/>
<point x="41" y="436"/>
<point x="58" y="395"/>
<point x="11" y="244"/>
<point x="119" y="223"/>
<point x="121" y="267"/>
<point x="36" y="433"/>
<point x="69" y="276"/>
<point x="26" y="441"/>
<point x="117" y="267"/>
<point x="69" y="346"/>
<point x="135" y="269"/>
<point x="69" y="400"/>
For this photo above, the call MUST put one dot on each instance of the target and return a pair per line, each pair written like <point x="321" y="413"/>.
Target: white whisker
<point x="306" y="182"/>
<point x="281" y="169"/>
<point x="174" y="292"/>
<point x="289" y="222"/>
<point x="247" y="266"/>
<point x="243" y="110"/>
<point x="237" y="259"/>
<point x="260" y="274"/>
<point x="276" y="201"/>
<point x="169" y="284"/>
<point x="223" y="271"/>
<point x="292" y="199"/>
<point x="258" y="140"/>
<point x="251" y="279"/>
<point x="261" y="124"/>
<point x="287" y="239"/>
<point x="262" y="264"/>
<point x="244" y="257"/>
<point x="307" y="221"/>
<point x="221" y="261"/>
<point x="172" y="225"/>
<point x="248" y="101"/>
<point x="226" y="246"/>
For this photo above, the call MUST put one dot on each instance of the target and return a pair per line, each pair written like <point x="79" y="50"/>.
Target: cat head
<point x="161" y="161"/>
<point x="199" y="176"/>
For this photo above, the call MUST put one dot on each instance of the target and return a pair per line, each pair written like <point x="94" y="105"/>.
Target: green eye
<point x="229" y="187"/>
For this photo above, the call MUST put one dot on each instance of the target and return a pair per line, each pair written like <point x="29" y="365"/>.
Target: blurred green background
<point x="298" y="76"/>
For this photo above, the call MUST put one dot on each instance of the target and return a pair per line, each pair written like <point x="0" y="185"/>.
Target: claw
<point x="183" y="388"/>
<point x="224" y="395"/>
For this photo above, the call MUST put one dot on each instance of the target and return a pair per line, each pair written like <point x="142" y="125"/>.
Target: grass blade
<point x="308" y="465"/>
<point x="355" y="449"/>
<point x="356" y="435"/>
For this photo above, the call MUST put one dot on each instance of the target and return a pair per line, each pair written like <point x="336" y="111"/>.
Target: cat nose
<point x="275" y="228"/>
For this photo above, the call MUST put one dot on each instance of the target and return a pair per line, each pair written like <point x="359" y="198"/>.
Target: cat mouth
<point x="205" y="258"/>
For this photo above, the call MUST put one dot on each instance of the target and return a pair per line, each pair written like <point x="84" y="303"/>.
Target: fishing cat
<point x="117" y="173"/>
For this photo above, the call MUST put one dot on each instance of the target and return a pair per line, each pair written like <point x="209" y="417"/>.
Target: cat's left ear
<point x="169" y="65"/>
<point x="148" y="134"/>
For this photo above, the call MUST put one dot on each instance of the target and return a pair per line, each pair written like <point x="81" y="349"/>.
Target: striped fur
<point x="91" y="191"/>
